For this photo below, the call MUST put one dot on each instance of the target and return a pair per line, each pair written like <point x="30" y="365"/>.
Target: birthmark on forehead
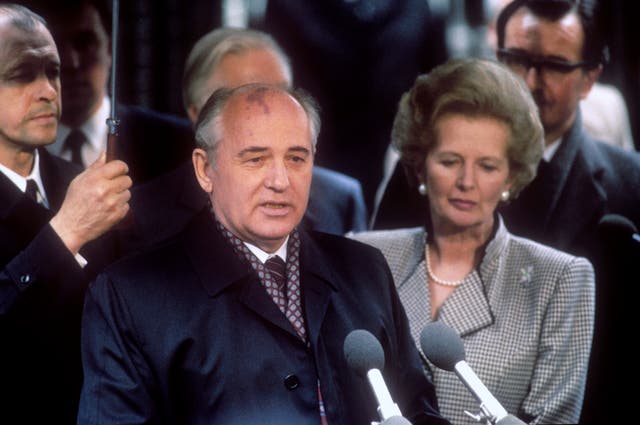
<point x="258" y="97"/>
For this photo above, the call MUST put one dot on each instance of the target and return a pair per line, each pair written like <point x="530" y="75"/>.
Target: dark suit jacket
<point x="165" y="205"/>
<point x="186" y="334"/>
<point x="152" y="143"/>
<point x="41" y="294"/>
<point x="401" y="205"/>
<point x="562" y="208"/>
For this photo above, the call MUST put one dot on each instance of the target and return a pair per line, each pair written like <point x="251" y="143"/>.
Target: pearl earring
<point x="422" y="189"/>
<point x="504" y="196"/>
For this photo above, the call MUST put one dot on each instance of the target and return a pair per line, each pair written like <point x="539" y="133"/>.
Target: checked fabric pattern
<point x="525" y="316"/>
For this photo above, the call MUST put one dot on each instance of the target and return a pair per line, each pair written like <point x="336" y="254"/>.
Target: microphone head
<point x="442" y="345"/>
<point x="396" y="420"/>
<point x="510" y="420"/>
<point x="616" y="225"/>
<point x="363" y="352"/>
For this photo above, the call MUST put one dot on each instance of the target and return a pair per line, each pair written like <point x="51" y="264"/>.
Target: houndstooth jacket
<point x="525" y="316"/>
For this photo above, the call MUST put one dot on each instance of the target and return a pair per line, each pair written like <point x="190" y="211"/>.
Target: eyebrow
<point x="252" y="150"/>
<point x="538" y="57"/>
<point x="300" y="149"/>
<point x="261" y="149"/>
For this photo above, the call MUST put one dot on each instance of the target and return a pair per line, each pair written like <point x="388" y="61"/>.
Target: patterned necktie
<point x="286" y="282"/>
<point x="277" y="269"/>
<point x="32" y="190"/>
<point x="74" y="142"/>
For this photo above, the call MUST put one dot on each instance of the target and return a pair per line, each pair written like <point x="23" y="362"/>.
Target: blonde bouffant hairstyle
<point x="476" y="88"/>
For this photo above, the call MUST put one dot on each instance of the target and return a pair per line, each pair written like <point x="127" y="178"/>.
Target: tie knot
<point x="32" y="190"/>
<point x="74" y="143"/>
<point x="276" y="267"/>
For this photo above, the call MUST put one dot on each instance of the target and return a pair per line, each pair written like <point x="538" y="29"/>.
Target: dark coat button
<point x="25" y="279"/>
<point x="291" y="382"/>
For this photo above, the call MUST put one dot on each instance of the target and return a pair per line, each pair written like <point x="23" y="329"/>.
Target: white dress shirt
<point x="95" y="130"/>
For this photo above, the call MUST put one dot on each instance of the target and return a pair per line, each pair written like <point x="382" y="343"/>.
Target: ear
<point x="589" y="79"/>
<point x="202" y="167"/>
<point x="419" y="175"/>
<point x="509" y="183"/>
<point x="192" y="113"/>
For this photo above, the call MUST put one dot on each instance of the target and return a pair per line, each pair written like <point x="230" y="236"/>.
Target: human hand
<point x="96" y="200"/>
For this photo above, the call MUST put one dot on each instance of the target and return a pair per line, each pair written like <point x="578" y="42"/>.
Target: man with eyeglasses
<point x="557" y="48"/>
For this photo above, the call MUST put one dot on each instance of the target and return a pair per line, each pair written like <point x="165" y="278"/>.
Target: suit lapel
<point x="22" y="213"/>
<point x="220" y="270"/>
<point x="318" y="283"/>
<point x="255" y="298"/>
<point x="568" y="196"/>
<point x="9" y="196"/>
<point x="467" y="309"/>
<point x="56" y="176"/>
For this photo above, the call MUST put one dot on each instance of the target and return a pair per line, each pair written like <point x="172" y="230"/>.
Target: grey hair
<point x="209" y="128"/>
<point x="21" y="17"/>
<point x="207" y="53"/>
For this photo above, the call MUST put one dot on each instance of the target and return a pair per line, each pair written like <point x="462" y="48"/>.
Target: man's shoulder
<point x="335" y="179"/>
<point x="335" y="244"/>
<point x="166" y="189"/>
<point x="50" y="160"/>
<point x="336" y="202"/>
<point x="152" y="143"/>
<point x="616" y="169"/>
<point x="607" y="155"/>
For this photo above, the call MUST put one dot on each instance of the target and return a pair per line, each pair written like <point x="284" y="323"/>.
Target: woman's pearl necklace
<point x="436" y="279"/>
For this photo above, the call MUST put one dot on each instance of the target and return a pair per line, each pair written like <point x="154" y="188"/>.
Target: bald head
<point x="209" y="128"/>
<point x="254" y="160"/>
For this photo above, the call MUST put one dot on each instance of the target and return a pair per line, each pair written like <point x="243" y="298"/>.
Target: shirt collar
<point x="550" y="151"/>
<point x="95" y="129"/>
<point x="264" y="256"/>
<point x="21" y="182"/>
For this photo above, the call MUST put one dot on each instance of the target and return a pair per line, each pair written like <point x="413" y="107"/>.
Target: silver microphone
<point x="443" y="347"/>
<point x="365" y="356"/>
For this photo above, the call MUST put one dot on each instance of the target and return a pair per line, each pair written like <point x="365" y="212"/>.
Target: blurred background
<point x="355" y="56"/>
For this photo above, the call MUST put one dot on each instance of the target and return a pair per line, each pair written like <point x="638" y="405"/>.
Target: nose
<point x="533" y="77"/>
<point x="69" y="56"/>
<point x="466" y="177"/>
<point x="47" y="89"/>
<point x="277" y="178"/>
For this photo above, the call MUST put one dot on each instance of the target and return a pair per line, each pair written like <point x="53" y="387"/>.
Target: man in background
<point x="557" y="48"/>
<point x="149" y="142"/>
<point x="50" y="218"/>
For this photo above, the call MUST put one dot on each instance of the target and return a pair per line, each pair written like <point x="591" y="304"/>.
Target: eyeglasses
<point x="521" y="63"/>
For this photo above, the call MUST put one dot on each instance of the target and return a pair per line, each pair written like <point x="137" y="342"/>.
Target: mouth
<point x="275" y="208"/>
<point x="539" y="99"/>
<point x="45" y="118"/>
<point x="462" y="204"/>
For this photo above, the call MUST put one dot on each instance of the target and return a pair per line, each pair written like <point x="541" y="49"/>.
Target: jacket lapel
<point x="56" y="177"/>
<point x="318" y="283"/>
<point x="467" y="309"/>
<point x="220" y="270"/>
<point x="568" y="197"/>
